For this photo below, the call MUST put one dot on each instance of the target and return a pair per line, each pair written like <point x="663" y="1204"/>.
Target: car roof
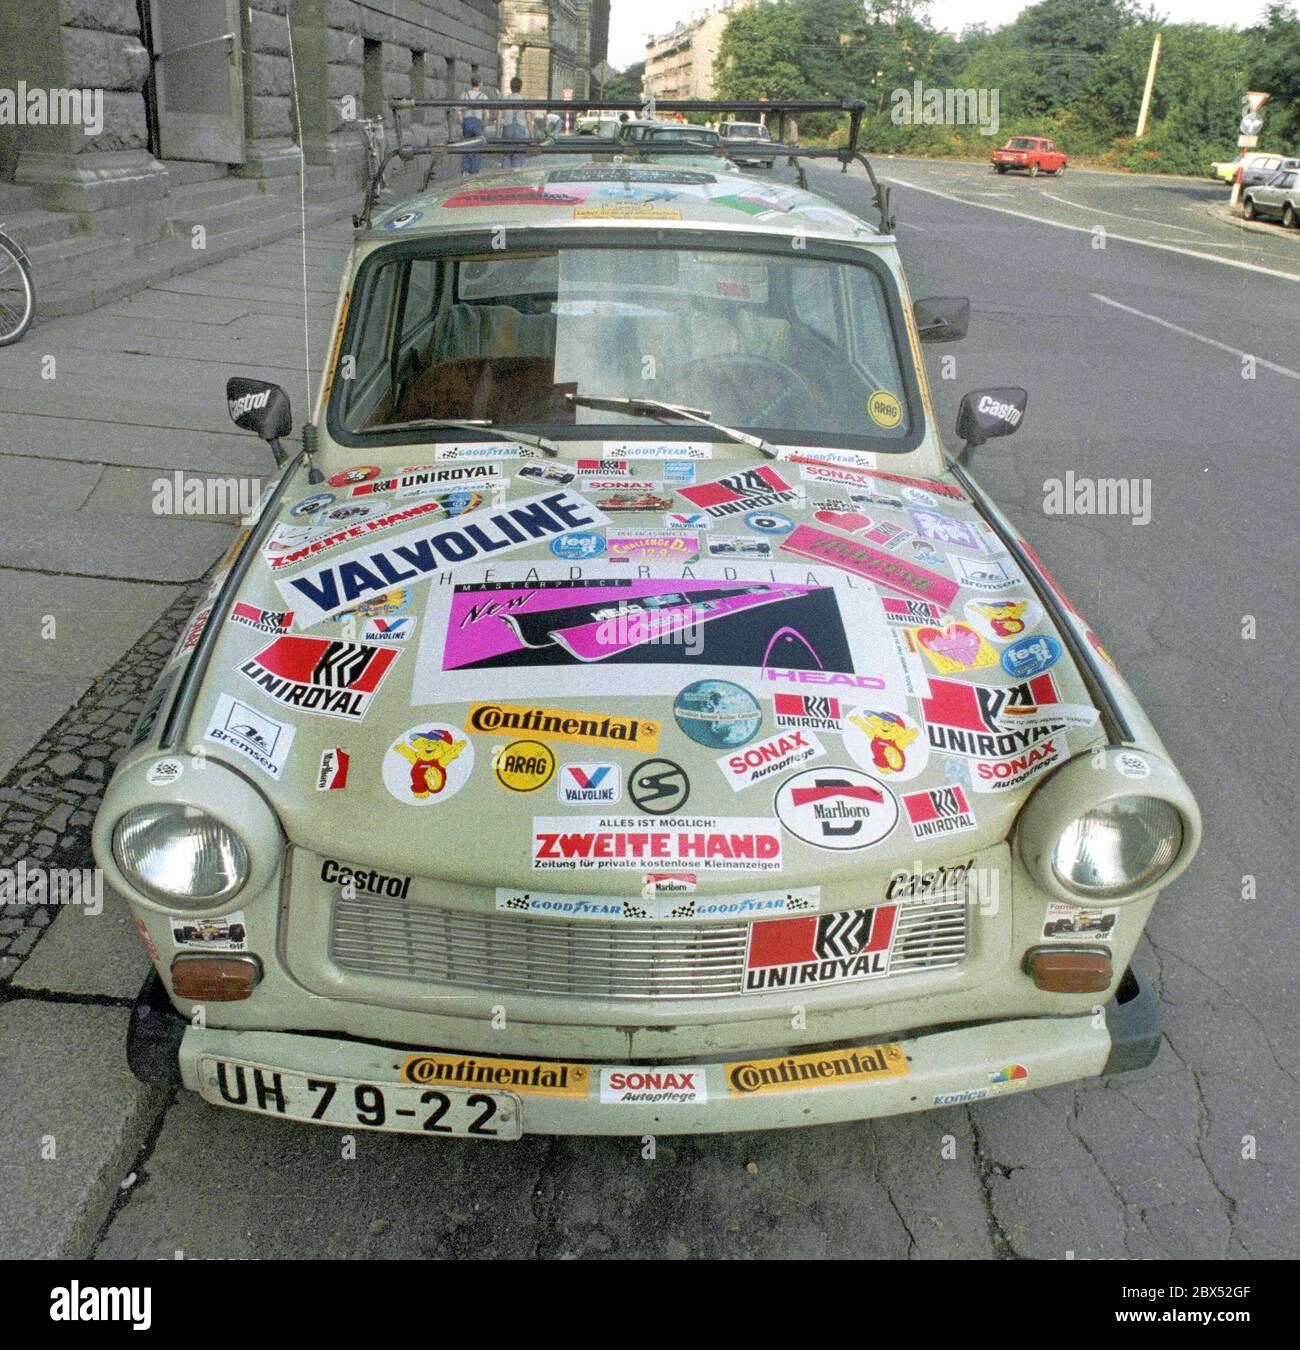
<point x="570" y="191"/>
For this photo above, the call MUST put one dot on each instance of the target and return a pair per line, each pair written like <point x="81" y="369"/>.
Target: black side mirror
<point x="942" y="318"/>
<point x="261" y="408"/>
<point x="985" y="413"/>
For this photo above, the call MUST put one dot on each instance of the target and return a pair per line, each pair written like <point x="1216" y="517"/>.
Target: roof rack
<point x="794" y="155"/>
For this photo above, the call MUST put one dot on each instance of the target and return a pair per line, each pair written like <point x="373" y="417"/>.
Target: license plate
<point x="394" y="1108"/>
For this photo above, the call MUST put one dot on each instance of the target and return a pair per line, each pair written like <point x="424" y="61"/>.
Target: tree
<point x="1273" y="61"/>
<point x="625" y="84"/>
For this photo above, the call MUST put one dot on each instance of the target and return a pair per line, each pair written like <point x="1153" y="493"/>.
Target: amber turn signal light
<point x="215" y="979"/>
<point x="1069" y="972"/>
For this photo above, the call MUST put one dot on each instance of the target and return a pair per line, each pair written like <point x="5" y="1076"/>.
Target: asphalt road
<point x="1196" y="1156"/>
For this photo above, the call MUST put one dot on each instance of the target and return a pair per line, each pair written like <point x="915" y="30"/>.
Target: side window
<point x="421" y="288"/>
<point x="373" y="329"/>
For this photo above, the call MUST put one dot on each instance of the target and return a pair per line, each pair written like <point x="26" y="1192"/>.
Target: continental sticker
<point x="826" y="1068"/>
<point x="564" y="724"/>
<point x="528" y="1077"/>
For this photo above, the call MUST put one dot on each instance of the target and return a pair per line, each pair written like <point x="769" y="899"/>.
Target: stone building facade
<point x="553" y="44"/>
<point x="679" y="64"/>
<point x="212" y="80"/>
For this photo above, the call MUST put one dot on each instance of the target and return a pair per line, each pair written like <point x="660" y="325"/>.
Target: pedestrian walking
<point x="516" y="124"/>
<point x="471" y="125"/>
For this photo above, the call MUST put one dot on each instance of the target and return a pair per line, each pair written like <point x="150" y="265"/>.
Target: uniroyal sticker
<point x="910" y="613"/>
<point x="435" y="547"/>
<point x="418" y="480"/>
<point x="835" y="948"/>
<point x="810" y="711"/>
<point x="332" y="776"/>
<point x="767" y="759"/>
<point x="748" y="490"/>
<point x="603" y="468"/>
<point x="704" y="844"/>
<point x="665" y="896"/>
<point x="968" y="719"/>
<point x="250" y="733"/>
<point x="676" y="1085"/>
<point x="837" y="809"/>
<point x="938" y="811"/>
<point x="887" y="742"/>
<point x="268" y="621"/>
<point x="338" y="679"/>
<point x="1065" y="922"/>
<point x="864" y="561"/>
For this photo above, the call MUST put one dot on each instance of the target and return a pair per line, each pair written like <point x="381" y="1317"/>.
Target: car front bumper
<point x="946" y="1067"/>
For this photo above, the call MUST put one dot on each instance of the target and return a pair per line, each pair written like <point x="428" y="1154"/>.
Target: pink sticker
<point x="864" y="561"/>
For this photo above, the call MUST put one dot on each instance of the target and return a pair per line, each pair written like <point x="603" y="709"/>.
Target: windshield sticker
<point x="748" y="490"/>
<point x="339" y="679"/>
<point x="251" y="733"/>
<point x="658" y="450"/>
<point x="415" y="554"/>
<point x="552" y="633"/>
<point x="681" y="546"/>
<point x="703" y="844"/>
<point x="884" y="409"/>
<point x="824" y="949"/>
<point x="428" y="765"/>
<point x="419" y="479"/>
<point x="864" y="561"/>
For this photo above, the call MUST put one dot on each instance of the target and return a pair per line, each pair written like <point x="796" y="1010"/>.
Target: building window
<point x="372" y="79"/>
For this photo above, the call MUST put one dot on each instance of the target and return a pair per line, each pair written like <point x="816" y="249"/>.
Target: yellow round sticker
<point x="524" y="766"/>
<point x="884" y="409"/>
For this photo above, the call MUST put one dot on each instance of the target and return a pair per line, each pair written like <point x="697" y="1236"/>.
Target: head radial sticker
<point x="430" y="763"/>
<point x="836" y="809"/>
<point x="379" y="566"/>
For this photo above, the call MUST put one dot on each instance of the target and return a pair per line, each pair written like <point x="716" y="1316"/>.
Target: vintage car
<point x="750" y="142"/>
<point x="1276" y="199"/>
<point x="1032" y="154"/>
<point x="520" y="842"/>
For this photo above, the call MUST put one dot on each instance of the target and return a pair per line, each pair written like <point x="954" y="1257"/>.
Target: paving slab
<point x="133" y="492"/>
<point x="162" y="445"/>
<point x="65" y="484"/>
<point x="83" y="544"/>
<point x="31" y="702"/>
<point x="88" y="954"/>
<point x="73" y="1120"/>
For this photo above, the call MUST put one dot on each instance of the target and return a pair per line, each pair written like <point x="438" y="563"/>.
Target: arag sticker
<point x="886" y="741"/>
<point x="428" y="765"/>
<point x="524" y="766"/>
<point x="819" y="950"/>
<point x="884" y="409"/>
<point x="837" y="809"/>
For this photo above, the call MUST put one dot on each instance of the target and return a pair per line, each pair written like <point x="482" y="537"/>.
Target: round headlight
<point x="1123" y="845"/>
<point x="180" y="855"/>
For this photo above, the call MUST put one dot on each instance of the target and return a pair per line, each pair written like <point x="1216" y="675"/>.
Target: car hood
<point x="503" y="677"/>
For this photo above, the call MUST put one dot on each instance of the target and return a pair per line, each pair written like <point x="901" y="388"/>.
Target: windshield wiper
<point x="652" y="407"/>
<point x="468" y="424"/>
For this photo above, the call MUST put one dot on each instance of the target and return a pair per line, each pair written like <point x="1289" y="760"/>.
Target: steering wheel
<point x="743" y="382"/>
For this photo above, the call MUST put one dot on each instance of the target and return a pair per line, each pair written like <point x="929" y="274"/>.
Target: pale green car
<point x="626" y="719"/>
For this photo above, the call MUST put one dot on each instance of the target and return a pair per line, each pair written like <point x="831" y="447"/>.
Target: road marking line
<point x="1200" y="337"/>
<point x="1120" y="215"/>
<point x="1083" y="229"/>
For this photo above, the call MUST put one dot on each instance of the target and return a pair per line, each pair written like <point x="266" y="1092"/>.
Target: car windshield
<point x="786" y="344"/>
<point x="747" y="130"/>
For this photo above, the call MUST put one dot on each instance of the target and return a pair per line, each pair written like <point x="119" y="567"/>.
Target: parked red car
<point x="1033" y="153"/>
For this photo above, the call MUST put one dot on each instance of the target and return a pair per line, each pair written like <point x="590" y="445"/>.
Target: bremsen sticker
<point x="250" y="733"/>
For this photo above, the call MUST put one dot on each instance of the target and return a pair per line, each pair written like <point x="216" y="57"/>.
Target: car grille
<point x="512" y="953"/>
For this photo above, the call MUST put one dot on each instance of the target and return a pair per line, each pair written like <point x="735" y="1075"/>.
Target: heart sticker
<point x="852" y="521"/>
<point x="955" y="648"/>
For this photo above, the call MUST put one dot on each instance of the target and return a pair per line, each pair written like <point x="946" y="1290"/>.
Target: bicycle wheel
<point x="17" y="294"/>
